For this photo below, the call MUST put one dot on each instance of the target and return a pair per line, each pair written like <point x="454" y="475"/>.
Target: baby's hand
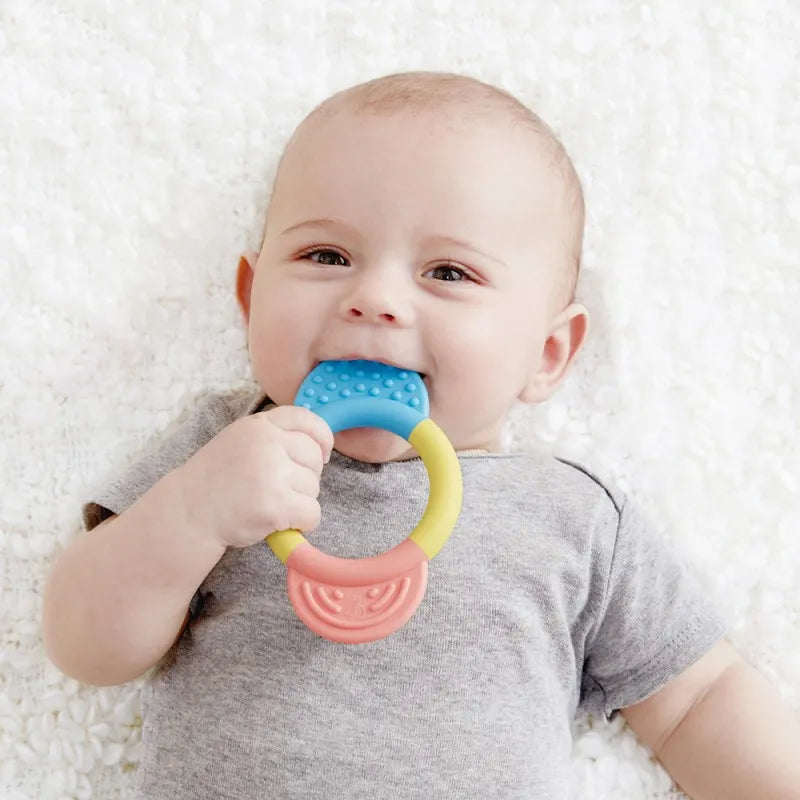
<point x="258" y="475"/>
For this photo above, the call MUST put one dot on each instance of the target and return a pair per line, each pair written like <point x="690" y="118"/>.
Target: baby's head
<point x="428" y="221"/>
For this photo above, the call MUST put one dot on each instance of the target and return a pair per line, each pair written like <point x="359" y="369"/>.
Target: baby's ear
<point x="566" y="338"/>
<point x="244" y="281"/>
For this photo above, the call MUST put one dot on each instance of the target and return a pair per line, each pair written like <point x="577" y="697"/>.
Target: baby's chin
<point x="373" y="445"/>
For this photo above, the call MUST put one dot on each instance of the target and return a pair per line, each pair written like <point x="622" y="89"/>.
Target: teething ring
<point x="356" y="600"/>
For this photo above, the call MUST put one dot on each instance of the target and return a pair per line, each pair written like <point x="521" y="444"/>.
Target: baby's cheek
<point x="274" y="357"/>
<point x="275" y="306"/>
<point x="456" y="398"/>
<point x="484" y="389"/>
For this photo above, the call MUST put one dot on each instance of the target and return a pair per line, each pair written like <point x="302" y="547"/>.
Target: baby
<point x="431" y="222"/>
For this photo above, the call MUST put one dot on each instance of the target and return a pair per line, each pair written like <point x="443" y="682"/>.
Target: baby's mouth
<point x="381" y="361"/>
<point x="352" y="357"/>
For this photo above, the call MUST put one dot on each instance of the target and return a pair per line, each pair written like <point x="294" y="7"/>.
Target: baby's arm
<point x="118" y="596"/>
<point x="721" y="731"/>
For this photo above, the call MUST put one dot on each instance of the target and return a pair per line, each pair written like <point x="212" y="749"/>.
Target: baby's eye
<point x="448" y="272"/>
<point x="330" y="258"/>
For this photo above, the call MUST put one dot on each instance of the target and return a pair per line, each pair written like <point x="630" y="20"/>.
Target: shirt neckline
<point x="262" y="402"/>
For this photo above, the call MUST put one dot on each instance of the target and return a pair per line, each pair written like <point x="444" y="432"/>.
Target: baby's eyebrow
<point x="326" y="222"/>
<point x="458" y="243"/>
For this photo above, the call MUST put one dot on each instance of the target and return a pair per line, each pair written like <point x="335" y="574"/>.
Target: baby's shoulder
<point x="230" y="404"/>
<point x="588" y="479"/>
<point x="562" y="479"/>
<point x="579" y="500"/>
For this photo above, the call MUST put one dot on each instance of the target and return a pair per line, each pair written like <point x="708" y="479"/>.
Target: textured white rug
<point x="137" y="143"/>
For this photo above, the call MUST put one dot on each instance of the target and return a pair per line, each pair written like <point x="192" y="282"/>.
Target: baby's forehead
<point x="454" y="100"/>
<point x="506" y="143"/>
<point x="462" y="161"/>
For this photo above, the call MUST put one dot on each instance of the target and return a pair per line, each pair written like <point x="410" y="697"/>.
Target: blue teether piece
<point x="365" y="394"/>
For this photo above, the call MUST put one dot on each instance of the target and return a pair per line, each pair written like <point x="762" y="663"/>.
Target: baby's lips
<point x="389" y="361"/>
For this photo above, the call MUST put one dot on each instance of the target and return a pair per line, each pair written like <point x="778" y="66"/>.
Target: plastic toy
<point x="360" y="600"/>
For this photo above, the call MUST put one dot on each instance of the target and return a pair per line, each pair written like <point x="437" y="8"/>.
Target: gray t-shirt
<point x="552" y="594"/>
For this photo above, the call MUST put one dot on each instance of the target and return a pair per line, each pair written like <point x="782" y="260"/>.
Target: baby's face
<point x="420" y="243"/>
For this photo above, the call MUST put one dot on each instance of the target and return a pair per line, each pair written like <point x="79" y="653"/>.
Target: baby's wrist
<point x="190" y="505"/>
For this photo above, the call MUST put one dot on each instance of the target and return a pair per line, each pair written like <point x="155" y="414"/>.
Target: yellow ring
<point x="444" y="496"/>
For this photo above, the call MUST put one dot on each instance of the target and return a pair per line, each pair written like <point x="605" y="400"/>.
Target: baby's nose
<point x="377" y="299"/>
<point x="383" y="315"/>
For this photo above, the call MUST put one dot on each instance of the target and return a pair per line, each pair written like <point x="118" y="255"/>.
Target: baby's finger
<point x="304" y="511"/>
<point x="303" y="450"/>
<point x="297" y="418"/>
<point x="305" y="481"/>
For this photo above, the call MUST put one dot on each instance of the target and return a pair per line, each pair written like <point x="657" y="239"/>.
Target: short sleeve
<point x="198" y="425"/>
<point x="654" y="622"/>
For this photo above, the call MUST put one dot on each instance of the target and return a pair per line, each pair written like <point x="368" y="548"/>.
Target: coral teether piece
<point x="355" y="600"/>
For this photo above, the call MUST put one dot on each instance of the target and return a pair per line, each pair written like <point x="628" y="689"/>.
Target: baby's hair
<point x="426" y="91"/>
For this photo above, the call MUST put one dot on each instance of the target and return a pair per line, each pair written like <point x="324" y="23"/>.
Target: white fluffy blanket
<point x="138" y="140"/>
